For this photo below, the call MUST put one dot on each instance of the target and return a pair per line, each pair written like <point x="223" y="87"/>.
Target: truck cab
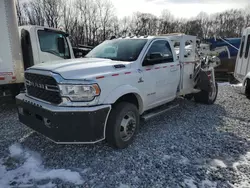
<point x="25" y="46"/>
<point x="41" y="44"/>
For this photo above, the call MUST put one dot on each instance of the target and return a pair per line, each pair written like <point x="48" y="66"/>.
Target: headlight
<point x="80" y="92"/>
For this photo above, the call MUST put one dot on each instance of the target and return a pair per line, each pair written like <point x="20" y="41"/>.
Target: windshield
<point x="119" y="49"/>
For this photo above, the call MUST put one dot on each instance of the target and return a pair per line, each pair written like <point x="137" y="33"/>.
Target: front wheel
<point x="122" y="125"/>
<point x="207" y="97"/>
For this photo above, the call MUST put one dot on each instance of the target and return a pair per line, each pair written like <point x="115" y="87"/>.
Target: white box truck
<point x="242" y="67"/>
<point x="25" y="46"/>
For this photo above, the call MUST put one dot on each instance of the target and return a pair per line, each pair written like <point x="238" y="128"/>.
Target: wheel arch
<point x="126" y="93"/>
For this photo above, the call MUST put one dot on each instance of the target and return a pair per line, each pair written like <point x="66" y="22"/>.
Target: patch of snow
<point x="15" y="150"/>
<point x="190" y="183"/>
<point x="244" y="160"/>
<point x="242" y="184"/>
<point x="237" y="85"/>
<point x="224" y="84"/>
<point x="218" y="163"/>
<point x="228" y="84"/>
<point x="208" y="184"/>
<point x="32" y="169"/>
<point x="247" y="156"/>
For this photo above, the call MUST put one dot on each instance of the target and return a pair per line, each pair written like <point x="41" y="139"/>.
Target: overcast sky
<point x="179" y="8"/>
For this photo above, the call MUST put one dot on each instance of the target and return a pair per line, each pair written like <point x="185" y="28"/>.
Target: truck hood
<point x="82" y="68"/>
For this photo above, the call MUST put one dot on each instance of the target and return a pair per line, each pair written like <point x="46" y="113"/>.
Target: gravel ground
<point x="191" y="146"/>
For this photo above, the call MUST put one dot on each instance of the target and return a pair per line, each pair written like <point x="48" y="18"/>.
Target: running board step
<point x="158" y="111"/>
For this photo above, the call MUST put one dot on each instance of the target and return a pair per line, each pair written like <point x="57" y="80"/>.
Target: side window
<point x="247" y="47"/>
<point x="242" y="46"/>
<point x="162" y="47"/>
<point x="48" y="43"/>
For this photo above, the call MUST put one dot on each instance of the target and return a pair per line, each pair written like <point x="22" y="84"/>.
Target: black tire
<point x="204" y="96"/>
<point x="14" y="90"/>
<point x="247" y="90"/>
<point x="232" y="79"/>
<point x="114" y="125"/>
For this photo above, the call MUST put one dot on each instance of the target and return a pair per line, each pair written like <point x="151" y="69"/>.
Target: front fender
<point x="118" y="92"/>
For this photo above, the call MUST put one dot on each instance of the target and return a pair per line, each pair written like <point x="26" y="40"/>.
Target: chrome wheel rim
<point x="212" y="93"/>
<point x="128" y="126"/>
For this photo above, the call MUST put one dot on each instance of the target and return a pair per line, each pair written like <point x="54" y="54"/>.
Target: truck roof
<point x="29" y="27"/>
<point x="170" y="36"/>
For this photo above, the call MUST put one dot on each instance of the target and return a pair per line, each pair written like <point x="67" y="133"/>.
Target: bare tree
<point x="68" y="15"/>
<point x="20" y="13"/>
<point x="124" y="26"/>
<point x="92" y="21"/>
<point x="34" y="12"/>
<point x="106" y="14"/>
<point x="203" y="19"/>
<point x="144" y="24"/>
<point x="52" y="10"/>
<point x="167" y="22"/>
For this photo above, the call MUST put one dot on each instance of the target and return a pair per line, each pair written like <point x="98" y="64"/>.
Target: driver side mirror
<point x="61" y="45"/>
<point x="153" y="58"/>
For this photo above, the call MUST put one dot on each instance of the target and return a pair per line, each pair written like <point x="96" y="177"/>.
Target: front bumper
<point x="63" y="124"/>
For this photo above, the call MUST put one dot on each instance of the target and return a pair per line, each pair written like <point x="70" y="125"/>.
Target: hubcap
<point x="128" y="125"/>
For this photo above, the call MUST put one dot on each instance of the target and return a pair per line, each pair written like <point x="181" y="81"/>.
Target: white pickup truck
<point x="104" y="95"/>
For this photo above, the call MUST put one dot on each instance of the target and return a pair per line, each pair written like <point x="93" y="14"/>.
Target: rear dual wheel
<point x="207" y="97"/>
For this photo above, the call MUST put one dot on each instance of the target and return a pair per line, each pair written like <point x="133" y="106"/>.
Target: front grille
<point x="38" y="86"/>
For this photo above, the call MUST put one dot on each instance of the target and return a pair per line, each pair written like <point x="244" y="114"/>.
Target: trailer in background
<point x="227" y="49"/>
<point x="11" y="66"/>
<point x="81" y="50"/>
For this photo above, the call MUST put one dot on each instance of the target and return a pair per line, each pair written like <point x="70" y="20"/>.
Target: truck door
<point x="163" y="76"/>
<point x="27" y="52"/>
<point x="242" y="64"/>
<point x="48" y="46"/>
